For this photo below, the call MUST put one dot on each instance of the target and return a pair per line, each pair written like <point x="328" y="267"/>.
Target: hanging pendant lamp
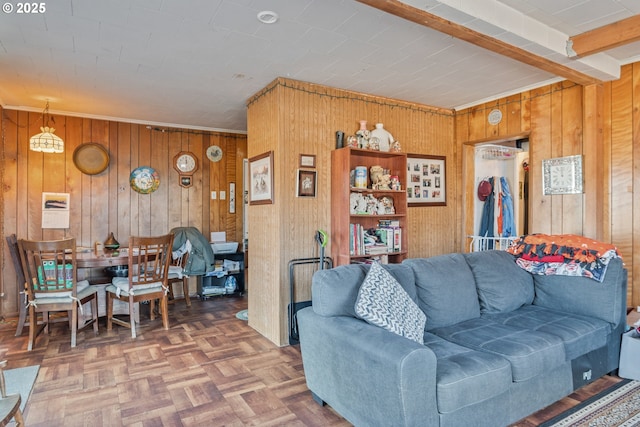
<point x="47" y="141"/>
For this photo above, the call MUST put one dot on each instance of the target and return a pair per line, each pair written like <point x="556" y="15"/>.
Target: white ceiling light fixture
<point x="47" y="141"/>
<point x="267" y="17"/>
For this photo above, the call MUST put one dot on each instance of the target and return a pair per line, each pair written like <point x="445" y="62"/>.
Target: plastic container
<point x="360" y="177"/>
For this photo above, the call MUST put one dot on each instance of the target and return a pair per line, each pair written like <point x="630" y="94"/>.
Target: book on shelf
<point x="374" y="241"/>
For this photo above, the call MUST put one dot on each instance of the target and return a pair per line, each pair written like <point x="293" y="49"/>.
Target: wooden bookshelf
<point x="343" y="162"/>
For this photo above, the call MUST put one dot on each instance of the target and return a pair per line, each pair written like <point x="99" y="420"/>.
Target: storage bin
<point x="630" y="356"/>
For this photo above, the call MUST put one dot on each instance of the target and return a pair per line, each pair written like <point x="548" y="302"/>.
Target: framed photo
<point x="426" y="180"/>
<point x="261" y="179"/>
<point x="307" y="160"/>
<point x="307" y="183"/>
<point x="562" y="175"/>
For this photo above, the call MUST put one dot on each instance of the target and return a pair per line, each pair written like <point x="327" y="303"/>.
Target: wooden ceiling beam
<point x="604" y="38"/>
<point x="461" y="32"/>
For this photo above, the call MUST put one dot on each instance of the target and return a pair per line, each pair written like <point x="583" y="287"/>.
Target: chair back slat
<point x="149" y="259"/>
<point x="49" y="266"/>
<point x="12" y="242"/>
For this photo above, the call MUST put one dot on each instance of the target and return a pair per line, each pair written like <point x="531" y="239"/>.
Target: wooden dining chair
<point x="50" y="270"/>
<point x="12" y="243"/>
<point x="177" y="276"/>
<point x="9" y="404"/>
<point x="149" y="259"/>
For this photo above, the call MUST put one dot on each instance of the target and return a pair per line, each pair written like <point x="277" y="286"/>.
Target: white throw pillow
<point x="383" y="302"/>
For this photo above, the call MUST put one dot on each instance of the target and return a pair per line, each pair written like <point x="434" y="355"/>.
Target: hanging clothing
<point x="201" y="257"/>
<point x="487" y="219"/>
<point x="508" y="221"/>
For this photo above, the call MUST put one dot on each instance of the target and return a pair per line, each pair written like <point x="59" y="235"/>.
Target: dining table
<point x="106" y="258"/>
<point x="88" y="262"/>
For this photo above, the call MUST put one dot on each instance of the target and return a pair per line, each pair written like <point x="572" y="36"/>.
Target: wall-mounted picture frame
<point x="562" y="175"/>
<point x="307" y="160"/>
<point x="261" y="179"/>
<point x="307" y="183"/>
<point x="426" y="180"/>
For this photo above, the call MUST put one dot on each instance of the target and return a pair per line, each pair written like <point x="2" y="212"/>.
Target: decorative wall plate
<point x="144" y="180"/>
<point x="91" y="158"/>
<point x="214" y="153"/>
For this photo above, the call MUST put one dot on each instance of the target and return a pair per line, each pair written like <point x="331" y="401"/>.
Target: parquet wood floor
<point x="209" y="369"/>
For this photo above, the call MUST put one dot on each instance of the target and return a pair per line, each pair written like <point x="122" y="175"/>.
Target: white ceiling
<point x="195" y="63"/>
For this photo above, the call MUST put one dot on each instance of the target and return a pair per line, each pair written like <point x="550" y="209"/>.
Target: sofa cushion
<point x="502" y="285"/>
<point x="465" y="376"/>
<point x="382" y="302"/>
<point x="529" y="352"/>
<point x="580" y="334"/>
<point x="334" y="291"/>
<point x="577" y="294"/>
<point x="446" y="289"/>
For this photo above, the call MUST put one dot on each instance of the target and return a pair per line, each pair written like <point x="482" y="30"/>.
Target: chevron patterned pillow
<point x="383" y="302"/>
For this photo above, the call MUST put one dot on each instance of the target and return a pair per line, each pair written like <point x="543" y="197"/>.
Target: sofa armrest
<point x="369" y="375"/>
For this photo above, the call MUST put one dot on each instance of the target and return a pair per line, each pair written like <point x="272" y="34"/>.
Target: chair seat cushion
<point x="82" y="285"/>
<point x="175" y="272"/>
<point x="83" y="291"/>
<point x="529" y="352"/>
<point x="465" y="376"/>
<point x="120" y="286"/>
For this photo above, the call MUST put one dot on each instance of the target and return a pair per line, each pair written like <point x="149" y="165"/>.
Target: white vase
<point x="385" y="139"/>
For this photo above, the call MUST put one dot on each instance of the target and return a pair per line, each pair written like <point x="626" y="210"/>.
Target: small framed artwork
<point x="426" y="180"/>
<point x="307" y="183"/>
<point x="562" y="175"/>
<point x="307" y="160"/>
<point x="261" y="179"/>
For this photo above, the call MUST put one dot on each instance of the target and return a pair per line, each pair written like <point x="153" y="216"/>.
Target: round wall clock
<point x="144" y="180"/>
<point x="185" y="162"/>
<point x="214" y="153"/>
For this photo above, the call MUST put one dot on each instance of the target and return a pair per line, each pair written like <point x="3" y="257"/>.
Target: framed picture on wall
<point x="307" y="183"/>
<point x="261" y="179"/>
<point x="426" y="180"/>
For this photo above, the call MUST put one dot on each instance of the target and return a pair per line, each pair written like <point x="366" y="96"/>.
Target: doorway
<point x="496" y="192"/>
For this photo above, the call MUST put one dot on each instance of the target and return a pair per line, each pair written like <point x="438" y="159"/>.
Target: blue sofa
<point x="499" y="342"/>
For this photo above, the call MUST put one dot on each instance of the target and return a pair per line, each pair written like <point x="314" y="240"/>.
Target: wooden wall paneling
<point x="195" y="193"/>
<point x="98" y="185"/>
<point x="135" y="202"/>
<point x="158" y="200"/>
<point x="9" y="212"/>
<point x="122" y="162"/>
<point x="144" y="200"/>
<point x="114" y="213"/>
<point x="177" y="212"/>
<point x="555" y="202"/>
<point x="622" y="169"/>
<point x="635" y="287"/>
<point x="596" y="181"/>
<point x="513" y="115"/>
<point x="217" y="177"/>
<point x="37" y="167"/>
<point x="74" y="180"/>
<point x="22" y="183"/>
<point x="606" y="160"/>
<point x="572" y="134"/>
<point x="540" y="148"/>
<point x="263" y="220"/>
